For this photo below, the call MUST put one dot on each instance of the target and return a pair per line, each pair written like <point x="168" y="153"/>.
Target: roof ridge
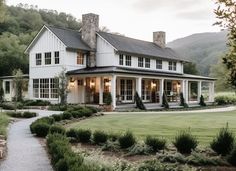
<point x="62" y="28"/>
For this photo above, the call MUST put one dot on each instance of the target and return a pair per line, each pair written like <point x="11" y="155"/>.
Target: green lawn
<point x="4" y="121"/>
<point x="204" y="125"/>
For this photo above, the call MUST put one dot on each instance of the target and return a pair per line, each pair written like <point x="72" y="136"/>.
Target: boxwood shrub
<point x="84" y="135"/>
<point x="224" y="100"/>
<point x="41" y="129"/>
<point x="100" y="137"/>
<point x="232" y="156"/>
<point x="21" y="114"/>
<point x="66" y="115"/>
<point x="185" y="142"/>
<point x="57" y="129"/>
<point x="47" y="120"/>
<point x="127" y="140"/>
<point x="57" y="117"/>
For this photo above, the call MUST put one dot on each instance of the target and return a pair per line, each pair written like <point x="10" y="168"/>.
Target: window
<point x="128" y="60"/>
<point x="48" y="58"/>
<point x="36" y="88"/>
<point x="147" y="63"/>
<point x="54" y="87"/>
<point x="140" y="62"/>
<point x="80" y="58"/>
<point x="45" y="88"/>
<point x="158" y="64"/>
<point x="172" y="66"/>
<point x="7" y="87"/>
<point x="38" y="58"/>
<point x="121" y="59"/>
<point x="56" y="57"/>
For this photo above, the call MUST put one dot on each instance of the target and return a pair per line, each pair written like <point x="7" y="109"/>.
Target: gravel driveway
<point x="25" y="153"/>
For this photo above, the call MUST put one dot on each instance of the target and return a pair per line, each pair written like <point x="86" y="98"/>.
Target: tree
<point x="2" y="11"/>
<point x="20" y="84"/>
<point x="62" y="86"/>
<point x="190" y="68"/>
<point x="225" y="13"/>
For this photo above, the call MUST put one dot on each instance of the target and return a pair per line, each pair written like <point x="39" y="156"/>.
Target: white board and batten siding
<point x="106" y="56"/>
<point x="49" y="42"/>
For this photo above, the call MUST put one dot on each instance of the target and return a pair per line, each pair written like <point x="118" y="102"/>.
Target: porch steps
<point x="125" y="107"/>
<point x="153" y="106"/>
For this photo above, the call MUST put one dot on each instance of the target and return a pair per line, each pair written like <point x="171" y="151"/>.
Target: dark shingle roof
<point x="139" y="47"/>
<point x="134" y="71"/>
<point x="71" y="38"/>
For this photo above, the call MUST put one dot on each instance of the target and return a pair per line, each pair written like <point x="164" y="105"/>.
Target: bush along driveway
<point x="25" y="153"/>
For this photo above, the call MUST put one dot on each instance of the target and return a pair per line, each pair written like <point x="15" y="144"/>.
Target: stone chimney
<point x="90" y="25"/>
<point x="159" y="38"/>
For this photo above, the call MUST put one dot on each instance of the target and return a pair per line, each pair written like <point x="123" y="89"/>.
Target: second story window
<point x="128" y="60"/>
<point x="140" y="62"/>
<point x="48" y="58"/>
<point x="38" y="59"/>
<point x="147" y="63"/>
<point x="158" y="64"/>
<point x="80" y="58"/>
<point x="121" y="59"/>
<point x="172" y="66"/>
<point x="57" y="57"/>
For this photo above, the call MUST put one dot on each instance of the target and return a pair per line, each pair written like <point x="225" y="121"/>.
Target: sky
<point x="140" y="18"/>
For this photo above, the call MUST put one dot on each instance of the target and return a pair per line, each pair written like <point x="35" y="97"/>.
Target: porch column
<point x="187" y="91"/>
<point x="161" y="89"/>
<point x="212" y="91"/>
<point x="199" y="92"/>
<point x="101" y="86"/>
<point x="139" y="86"/>
<point x="113" y="90"/>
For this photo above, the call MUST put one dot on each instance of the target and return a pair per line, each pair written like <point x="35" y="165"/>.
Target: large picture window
<point x="48" y="58"/>
<point x="140" y="62"/>
<point x="45" y="88"/>
<point x="128" y="60"/>
<point x="38" y="59"/>
<point x="80" y="58"/>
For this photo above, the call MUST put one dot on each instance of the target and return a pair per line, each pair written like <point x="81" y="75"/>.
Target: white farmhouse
<point x="99" y="62"/>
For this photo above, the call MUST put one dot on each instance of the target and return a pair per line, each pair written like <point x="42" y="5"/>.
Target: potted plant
<point x="108" y="102"/>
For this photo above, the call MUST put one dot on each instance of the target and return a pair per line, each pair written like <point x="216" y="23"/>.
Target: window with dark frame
<point x="121" y="59"/>
<point x="38" y="58"/>
<point x="140" y="62"/>
<point x="80" y="58"/>
<point x="128" y="60"/>
<point x="7" y="87"/>
<point x="172" y="66"/>
<point x="57" y="57"/>
<point x="158" y="64"/>
<point x="147" y="62"/>
<point x="48" y="60"/>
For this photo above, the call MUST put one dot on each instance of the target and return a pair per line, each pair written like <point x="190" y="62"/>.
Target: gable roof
<point x="72" y="39"/>
<point x="138" y="47"/>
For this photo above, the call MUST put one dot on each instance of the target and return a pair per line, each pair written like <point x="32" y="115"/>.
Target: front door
<point x="126" y="90"/>
<point x="146" y="90"/>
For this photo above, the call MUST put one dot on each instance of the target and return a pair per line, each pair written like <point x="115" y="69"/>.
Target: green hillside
<point x="204" y="49"/>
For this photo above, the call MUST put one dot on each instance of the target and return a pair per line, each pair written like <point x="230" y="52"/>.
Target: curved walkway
<point x="221" y="109"/>
<point x="25" y="153"/>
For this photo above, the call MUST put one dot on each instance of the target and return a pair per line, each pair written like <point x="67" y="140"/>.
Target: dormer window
<point x="172" y="66"/>
<point x="147" y="62"/>
<point x="128" y="60"/>
<point x="140" y="62"/>
<point x="158" y="64"/>
<point x="121" y="59"/>
<point x="80" y="58"/>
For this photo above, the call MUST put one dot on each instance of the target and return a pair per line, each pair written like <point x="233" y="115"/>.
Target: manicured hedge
<point x="21" y="114"/>
<point x="224" y="100"/>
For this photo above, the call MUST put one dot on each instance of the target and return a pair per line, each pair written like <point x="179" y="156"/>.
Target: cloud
<point x="201" y="14"/>
<point x="152" y="5"/>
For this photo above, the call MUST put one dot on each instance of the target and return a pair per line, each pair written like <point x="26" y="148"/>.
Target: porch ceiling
<point x="134" y="71"/>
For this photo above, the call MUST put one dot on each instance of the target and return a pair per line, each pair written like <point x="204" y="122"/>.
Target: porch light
<point x="92" y="84"/>
<point x="72" y="80"/>
<point x="107" y="83"/>
<point x="153" y="85"/>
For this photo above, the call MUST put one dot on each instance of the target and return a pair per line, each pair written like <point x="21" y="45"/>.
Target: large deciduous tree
<point x="2" y="10"/>
<point x="226" y="15"/>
